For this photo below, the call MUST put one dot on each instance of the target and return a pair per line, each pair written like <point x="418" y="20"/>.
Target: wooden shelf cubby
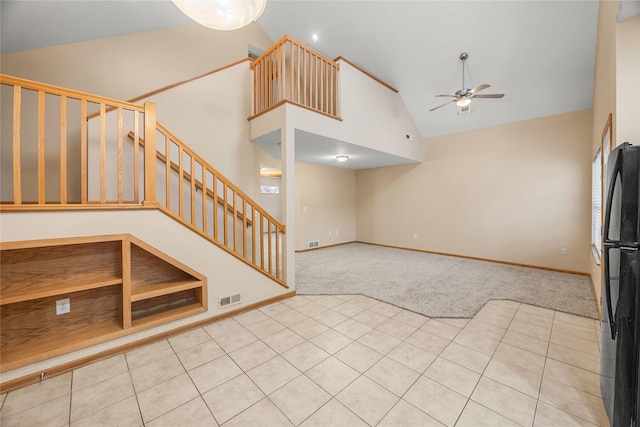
<point x="116" y="285"/>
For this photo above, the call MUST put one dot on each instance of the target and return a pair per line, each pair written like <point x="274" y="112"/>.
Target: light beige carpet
<point x="436" y="285"/>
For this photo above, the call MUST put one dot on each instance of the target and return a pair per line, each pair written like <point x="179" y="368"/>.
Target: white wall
<point x="515" y="193"/>
<point x="127" y="66"/>
<point x="628" y="80"/>
<point x="325" y="205"/>
<point x="210" y="116"/>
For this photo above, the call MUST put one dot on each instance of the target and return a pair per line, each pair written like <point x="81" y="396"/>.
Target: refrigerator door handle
<point x="607" y="290"/>
<point x="617" y="168"/>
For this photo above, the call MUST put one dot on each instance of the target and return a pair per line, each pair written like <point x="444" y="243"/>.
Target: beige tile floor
<point x="338" y="361"/>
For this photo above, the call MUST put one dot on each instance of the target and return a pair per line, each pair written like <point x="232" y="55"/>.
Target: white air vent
<point x="230" y="300"/>
<point x="314" y="243"/>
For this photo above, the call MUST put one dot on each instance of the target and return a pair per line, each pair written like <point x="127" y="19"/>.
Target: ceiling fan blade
<point x="446" y="103"/>
<point x="479" y="88"/>
<point x="490" y="95"/>
<point x="448" y="96"/>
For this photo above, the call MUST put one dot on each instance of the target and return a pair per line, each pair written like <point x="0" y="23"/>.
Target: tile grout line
<point x="482" y="375"/>
<point x="544" y="368"/>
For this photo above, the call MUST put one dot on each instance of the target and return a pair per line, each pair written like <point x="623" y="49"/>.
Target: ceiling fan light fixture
<point x="224" y="15"/>
<point x="342" y="158"/>
<point x="463" y="102"/>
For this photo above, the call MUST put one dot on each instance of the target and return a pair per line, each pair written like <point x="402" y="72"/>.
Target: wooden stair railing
<point x="246" y="229"/>
<point x="292" y="72"/>
<point x="60" y="159"/>
<point x="187" y="177"/>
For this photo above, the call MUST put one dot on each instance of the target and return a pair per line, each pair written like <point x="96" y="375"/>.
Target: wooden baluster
<point x="41" y="154"/>
<point x="261" y="241"/>
<point x="244" y="228"/>
<point x="180" y="183"/>
<point x="103" y="153"/>
<point x="291" y="70"/>
<point x="270" y="81"/>
<point x="17" y="175"/>
<point x="120" y="180"/>
<point x="322" y="85"/>
<point x="235" y="220"/>
<point x="63" y="149"/>
<point x="168" y="170"/>
<point x="215" y="207"/>
<point x="225" y="214"/>
<point x="298" y="98"/>
<point x="193" y="189"/>
<point x="269" y="243"/>
<point x="253" y="235"/>
<point x="204" y="199"/>
<point x="150" y="125"/>
<point x="136" y="160"/>
<point x="277" y="250"/>
<point x="255" y="88"/>
<point x="84" y="176"/>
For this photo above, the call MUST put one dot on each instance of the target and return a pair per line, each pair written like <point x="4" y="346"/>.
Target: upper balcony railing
<point x="292" y="72"/>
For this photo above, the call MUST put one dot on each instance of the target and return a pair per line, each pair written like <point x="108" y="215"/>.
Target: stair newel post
<point x="150" y="196"/>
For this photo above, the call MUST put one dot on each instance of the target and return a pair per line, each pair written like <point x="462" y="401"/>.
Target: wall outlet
<point x="63" y="306"/>
<point x="564" y="251"/>
<point x="415" y="236"/>
<point x="329" y="234"/>
<point x="336" y="232"/>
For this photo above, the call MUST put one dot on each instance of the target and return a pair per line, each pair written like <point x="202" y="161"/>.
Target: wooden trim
<point x="54" y="371"/>
<point x="286" y="101"/>
<point x="174" y="85"/>
<point x="71" y="206"/>
<point x="183" y="82"/>
<point x="126" y="282"/>
<point x="558" y="270"/>
<point x="595" y="297"/>
<point x="388" y="86"/>
<point x="43" y="243"/>
<point x="608" y="127"/>
<point x="324" y="247"/>
<point x="70" y="93"/>
<point x="281" y="42"/>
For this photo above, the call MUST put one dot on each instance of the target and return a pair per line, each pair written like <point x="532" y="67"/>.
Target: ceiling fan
<point x="464" y="96"/>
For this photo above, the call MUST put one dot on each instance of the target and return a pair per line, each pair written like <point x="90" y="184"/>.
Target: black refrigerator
<point x="620" y="332"/>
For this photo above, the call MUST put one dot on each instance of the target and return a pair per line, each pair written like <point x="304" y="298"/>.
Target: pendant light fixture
<point x="224" y="15"/>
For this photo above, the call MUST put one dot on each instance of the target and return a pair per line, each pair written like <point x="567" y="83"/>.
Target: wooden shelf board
<point x="167" y="316"/>
<point x="24" y="292"/>
<point x="47" y="347"/>
<point x="144" y="291"/>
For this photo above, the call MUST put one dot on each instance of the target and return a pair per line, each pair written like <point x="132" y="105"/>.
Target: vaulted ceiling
<point x="540" y="54"/>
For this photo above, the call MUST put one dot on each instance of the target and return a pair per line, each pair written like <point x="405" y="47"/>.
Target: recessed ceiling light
<point x="314" y="37"/>
<point x="342" y="158"/>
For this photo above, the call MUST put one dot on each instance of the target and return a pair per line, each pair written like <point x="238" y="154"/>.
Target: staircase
<point x="71" y="150"/>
